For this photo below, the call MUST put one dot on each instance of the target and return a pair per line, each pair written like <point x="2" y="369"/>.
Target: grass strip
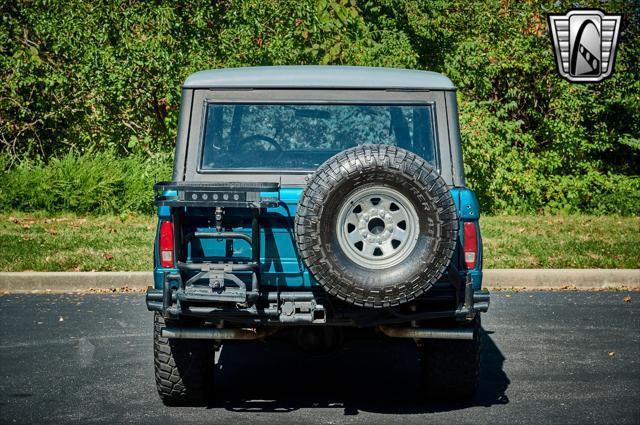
<point x="41" y="242"/>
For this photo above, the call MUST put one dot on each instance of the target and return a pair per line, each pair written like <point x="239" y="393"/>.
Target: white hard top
<point x="319" y="77"/>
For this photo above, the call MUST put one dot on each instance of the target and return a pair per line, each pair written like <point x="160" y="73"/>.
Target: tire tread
<point x="184" y="369"/>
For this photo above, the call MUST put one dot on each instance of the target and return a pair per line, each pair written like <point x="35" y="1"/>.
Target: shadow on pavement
<point x="371" y="376"/>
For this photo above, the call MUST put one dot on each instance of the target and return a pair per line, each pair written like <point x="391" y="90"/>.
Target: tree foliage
<point x="104" y="76"/>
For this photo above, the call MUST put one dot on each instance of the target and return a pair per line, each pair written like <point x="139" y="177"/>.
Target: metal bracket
<point x="295" y="311"/>
<point x="218" y="216"/>
<point x="167" y="293"/>
<point x="217" y="289"/>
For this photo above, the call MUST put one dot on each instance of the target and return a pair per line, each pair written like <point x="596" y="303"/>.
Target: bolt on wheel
<point x="378" y="227"/>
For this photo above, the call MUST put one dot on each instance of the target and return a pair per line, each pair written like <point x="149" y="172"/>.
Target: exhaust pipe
<point x="426" y="333"/>
<point x="216" y="333"/>
<point x="481" y="307"/>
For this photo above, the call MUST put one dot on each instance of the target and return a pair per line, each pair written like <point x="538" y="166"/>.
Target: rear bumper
<point x="315" y="307"/>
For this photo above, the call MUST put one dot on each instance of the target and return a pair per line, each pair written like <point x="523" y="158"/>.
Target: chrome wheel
<point x="377" y="226"/>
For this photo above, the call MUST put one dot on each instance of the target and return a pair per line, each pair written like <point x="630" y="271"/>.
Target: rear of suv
<point x="316" y="202"/>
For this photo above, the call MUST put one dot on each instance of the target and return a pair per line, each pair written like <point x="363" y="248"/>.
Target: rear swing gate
<point x="224" y="285"/>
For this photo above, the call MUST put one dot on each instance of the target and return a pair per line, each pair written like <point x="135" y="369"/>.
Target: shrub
<point x="90" y="77"/>
<point x="88" y="184"/>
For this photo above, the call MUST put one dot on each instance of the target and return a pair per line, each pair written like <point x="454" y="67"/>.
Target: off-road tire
<point x="451" y="368"/>
<point x="184" y="368"/>
<point x="385" y="167"/>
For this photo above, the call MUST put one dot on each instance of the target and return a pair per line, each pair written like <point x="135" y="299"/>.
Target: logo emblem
<point x="584" y="43"/>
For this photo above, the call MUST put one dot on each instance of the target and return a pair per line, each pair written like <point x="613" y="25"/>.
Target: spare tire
<point x="376" y="226"/>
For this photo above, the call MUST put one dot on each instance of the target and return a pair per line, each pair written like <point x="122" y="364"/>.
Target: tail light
<point x="166" y="244"/>
<point x="470" y="246"/>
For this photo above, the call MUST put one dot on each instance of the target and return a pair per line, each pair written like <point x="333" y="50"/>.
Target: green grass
<point x="42" y="242"/>
<point x="577" y="241"/>
<point x="71" y="243"/>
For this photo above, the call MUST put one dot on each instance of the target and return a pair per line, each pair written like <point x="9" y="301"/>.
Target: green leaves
<point x="90" y="76"/>
<point x="93" y="183"/>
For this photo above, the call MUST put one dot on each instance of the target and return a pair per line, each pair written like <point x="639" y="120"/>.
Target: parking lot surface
<point x="548" y="357"/>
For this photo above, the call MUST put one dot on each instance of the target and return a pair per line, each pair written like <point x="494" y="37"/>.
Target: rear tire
<point x="376" y="226"/>
<point x="451" y="368"/>
<point x="184" y="368"/>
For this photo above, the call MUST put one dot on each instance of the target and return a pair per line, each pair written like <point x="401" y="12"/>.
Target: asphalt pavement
<point x="548" y="357"/>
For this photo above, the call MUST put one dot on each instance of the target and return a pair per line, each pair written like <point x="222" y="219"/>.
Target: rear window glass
<point x="303" y="136"/>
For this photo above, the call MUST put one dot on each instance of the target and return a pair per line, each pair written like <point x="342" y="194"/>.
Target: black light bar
<point x="231" y="195"/>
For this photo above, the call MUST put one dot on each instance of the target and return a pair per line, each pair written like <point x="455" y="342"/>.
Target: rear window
<point x="302" y="136"/>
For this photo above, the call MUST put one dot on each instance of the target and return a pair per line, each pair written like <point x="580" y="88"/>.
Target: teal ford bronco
<point x="315" y="202"/>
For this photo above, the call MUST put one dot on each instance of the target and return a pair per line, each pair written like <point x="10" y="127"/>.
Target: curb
<point x="21" y="282"/>
<point x="582" y="279"/>
<point x="528" y="279"/>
